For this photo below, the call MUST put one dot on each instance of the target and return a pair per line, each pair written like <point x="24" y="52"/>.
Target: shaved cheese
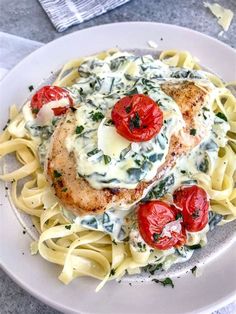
<point x="109" y="141"/>
<point x="45" y="115"/>
<point x="173" y="226"/>
<point x="152" y="44"/>
<point x="223" y="15"/>
<point x="27" y="112"/>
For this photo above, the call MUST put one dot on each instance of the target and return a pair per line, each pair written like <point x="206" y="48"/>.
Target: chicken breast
<point x="76" y="194"/>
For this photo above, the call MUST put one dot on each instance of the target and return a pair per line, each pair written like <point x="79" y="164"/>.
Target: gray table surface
<point x="16" y="18"/>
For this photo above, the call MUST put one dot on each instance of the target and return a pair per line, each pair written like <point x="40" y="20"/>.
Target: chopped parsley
<point x="107" y="159"/>
<point x="135" y="122"/>
<point x="221" y="116"/>
<point x="79" y="129"/>
<point x="64" y="189"/>
<point x="141" y="246"/>
<point x="156" y="237"/>
<point x="194" y="247"/>
<point x="97" y="116"/>
<point x="93" y="152"/>
<point x="165" y="282"/>
<point x="68" y="227"/>
<point x="193" y="132"/>
<point x="35" y="110"/>
<point x="152" y="268"/>
<point x="128" y="109"/>
<point x="138" y="162"/>
<point x="193" y="270"/>
<point x="112" y="272"/>
<point x="57" y="174"/>
<point x="31" y="87"/>
<point x="179" y="215"/>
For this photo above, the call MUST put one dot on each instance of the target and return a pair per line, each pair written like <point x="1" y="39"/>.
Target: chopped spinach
<point x="166" y="282"/>
<point x="79" y="129"/>
<point x="93" y="152"/>
<point x="152" y="268"/>
<point x="221" y="116"/>
<point x="214" y="219"/>
<point x="134" y="174"/>
<point x="97" y="116"/>
<point x="107" y="159"/>
<point x="162" y="188"/>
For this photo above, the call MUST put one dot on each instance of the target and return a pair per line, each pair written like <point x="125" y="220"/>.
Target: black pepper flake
<point x="130" y="284"/>
<point x="161" y="39"/>
<point x="68" y="227"/>
<point x="193" y="270"/>
<point x="73" y="109"/>
<point x="56" y="174"/>
<point x="6" y="188"/>
<point x="193" y="132"/>
<point x="24" y="232"/>
<point x="31" y="87"/>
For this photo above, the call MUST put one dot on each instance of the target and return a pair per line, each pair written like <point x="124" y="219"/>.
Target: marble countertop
<point x="16" y="18"/>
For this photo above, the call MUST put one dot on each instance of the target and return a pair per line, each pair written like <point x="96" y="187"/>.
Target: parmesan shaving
<point x="224" y="16"/>
<point x="152" y="44"/>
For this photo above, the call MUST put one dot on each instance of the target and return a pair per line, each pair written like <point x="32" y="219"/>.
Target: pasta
<point x="86" y="252"/>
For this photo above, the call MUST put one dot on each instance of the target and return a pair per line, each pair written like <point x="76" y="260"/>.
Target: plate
<point x="191" y="295"/>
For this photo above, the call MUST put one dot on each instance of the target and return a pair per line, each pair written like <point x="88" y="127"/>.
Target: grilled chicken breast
<point x="76" y="194"/>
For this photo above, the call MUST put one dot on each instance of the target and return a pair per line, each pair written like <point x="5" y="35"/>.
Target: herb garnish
<point x="128" y="109"/>
<point x="221" y="116"/>
<point x="68" y="227"/>
<point x="64" y="189"/>
<point x="135" y="122"/>
<point x="165" y="282"/>
<point x="57" y="174"/>
<point x="193" y="270"/>
<point x="97" y="116"/>
<point x="141" y="246"/>
<point x="79" y="129"/>
<point x="35" y="110"/>
<point x="93" y="152"/>
<point x="194" y="247"/>
<point x="179" y="215"/>
<point x="156" y="236"/>
<point x="107" y="159"/>
<point x="193" y="132"/>
<point x="112" y="272"/>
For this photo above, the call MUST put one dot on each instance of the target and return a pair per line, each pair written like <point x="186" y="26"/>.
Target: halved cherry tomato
<point x="137" y="118"/>
<point x="49" y="93"/>
<point x="194" y="203"/>
<point x="152" y="218"/>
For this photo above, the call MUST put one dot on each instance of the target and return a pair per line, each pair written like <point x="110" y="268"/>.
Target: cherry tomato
<point x="152" y="218"/>
<point x="47" y="94"/>
<point x="137" y="118"/>
<point x="194" y="203"/>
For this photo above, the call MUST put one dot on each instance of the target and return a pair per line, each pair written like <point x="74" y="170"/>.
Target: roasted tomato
<point x="159" y="225"/>
<point x="50" y="93"/>
<point x="194" y="203"/>
<point x="137" y="118"/>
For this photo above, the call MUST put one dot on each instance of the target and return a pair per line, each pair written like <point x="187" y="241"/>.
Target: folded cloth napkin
<point x="65" y="13"/>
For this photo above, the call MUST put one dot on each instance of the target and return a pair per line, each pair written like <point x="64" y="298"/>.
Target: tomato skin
<point x="193" y="201"/>
<point x="137" y="117"/>
<point x="50" y="93"/>
<point x="152" y="218"/>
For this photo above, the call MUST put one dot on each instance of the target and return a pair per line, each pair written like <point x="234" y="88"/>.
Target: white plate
<point x="214" y="288"/>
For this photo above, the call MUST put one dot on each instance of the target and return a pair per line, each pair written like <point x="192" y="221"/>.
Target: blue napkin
<point x="65" y="13"/>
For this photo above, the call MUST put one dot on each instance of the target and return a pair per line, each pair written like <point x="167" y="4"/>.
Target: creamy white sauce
<point x="102" y="83"/>
<point x="103" y="157"/>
